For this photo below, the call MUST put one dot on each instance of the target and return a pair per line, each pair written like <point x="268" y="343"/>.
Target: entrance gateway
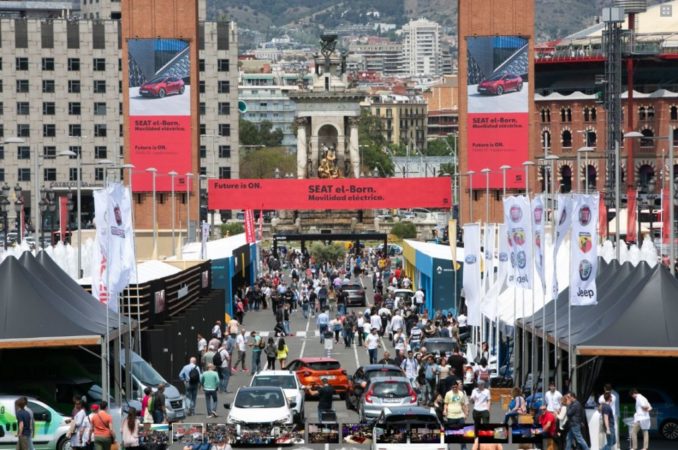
<point x="356" y="238"/>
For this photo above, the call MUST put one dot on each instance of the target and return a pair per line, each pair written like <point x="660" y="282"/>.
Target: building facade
<point x="443" y="108"/>
<point x="403" y="120"/>
<point x="384" y="58"/>
<point x="422" y="52"/>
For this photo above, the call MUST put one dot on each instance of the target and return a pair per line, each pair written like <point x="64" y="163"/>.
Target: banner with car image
<point x="159" y="112"/>
<point x="497" y="105"/>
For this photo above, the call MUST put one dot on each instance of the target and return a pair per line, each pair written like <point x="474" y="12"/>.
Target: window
<point x="99" y="173"/>
<point x="2" y="152"/>
<point x="546" y="139"/>
<point x="23" y="152"/>
<point x="49" y="174"/>
<point x="203" y="171"/>
<point x="73" y="86"/>
<point x="74" y="108"/>
<point x="2" y="174"/>
<point x="48" y="86"/>
<point x="100" y="152"/>
<point x="224" y="87"/>
<point x="203" y="128"/>
<point x="202" y="108"/>
<point x="48" y="130"/>
<point x="567" y="139"/>
<point x="49" y="152"/>
<point x="201" y="86"/>
<point x="74" y="130"/>
<point x="224" y="129"/>
<point x="2" y="108"/>
<point x="223" y="65"/>
<point x="646" y="141"/>
<point x="99" y="64"/>
<point x="48" y="108"/>
<point x="565" y="115"/>
<point x="99" y="109"/>
<point x="201" y="65"/>
<point x="47" y="64"/>
<point x="100" y="130"/>
<point x="73" y="174"/>
<point x="590" y="138"/>
<point x="75" y="149"/>
<point x="23" y="130"/>
<point x="224" y="172"/>
<point x="99" y="86"/>
<point x="24" y="174"/>
<point x="224" y="151"/>
<point x="674" y="112"/>
<point x="203" y="151"/>
<point x="73" y="64"/>
<point x="21" y="63"/>
<point x="650" y="113"/>
<point x="22" y="108"/>
<point x="224" y="108"/>
<point x="545" y="115"/>
<point x="22" y="86"/>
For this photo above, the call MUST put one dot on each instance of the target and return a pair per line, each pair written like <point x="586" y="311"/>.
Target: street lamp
<point x="503" y="169"/>
<point x="36" y="181"/>
<point x="526" y="166"/>
<point x="189" y="176"/>
<point x="154" y="172"/>
<point x="470" y="174"/>
<point x="4" y="208"/>
<point x="672" y="248"/>
<point x="553" y="159"/>
<point x="173" y="174"/>
<point x="487" y="172"/>
<point x="585" y="151"/>
<point x="78" y="156"/>
<point x="18" y="208"/>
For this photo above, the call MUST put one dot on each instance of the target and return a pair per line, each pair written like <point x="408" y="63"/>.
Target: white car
<point x="288" y="382"/>
<point x="260" y="406"/>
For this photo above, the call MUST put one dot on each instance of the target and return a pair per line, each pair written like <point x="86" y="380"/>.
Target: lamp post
<point x="503" y="169"/>
<point x="78" y="156"/>
<point x="153" y="171"/>
<point x="552" y="159"/>
<point x="19" y="208"/>
<point x="487" y="172"/>
<point x="526" y="167"/>
<point x="189" y="176"/>
<point x="585" y="150"/>
<point x="36" y="187"/>
<point x="173" y="174"/>
<point x="4" y="208"/>
<point x="470" y="174"/>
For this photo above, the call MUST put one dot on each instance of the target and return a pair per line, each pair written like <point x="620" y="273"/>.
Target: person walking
<point x="608" y="425"/>
<point x="281" y="353"/>
<point x="480" y="396"/>
<point x="372" y="345"/>
<point x="455" y="408"/>
<point x="516" y="407"/>
<point x="322" y="321"/>
<point x="575" y="418"/>
<point x="130" y="430"/>
<point x="190" y="375"/>
<point x="102" y="428"/>
<point x="552" y="398"/>
<point x="271" y="352"/>
<point x="641" y="420"/>
<point x="241" y="343"/>
<point x="209" y="380"/>
<point x="222" y="364"/>
<point x="257" y="344"/>
<point x="25" y="432"/>
<point x="80" y="427"/>
<point x="411" y="368"/>
<point x="325" y="396"/>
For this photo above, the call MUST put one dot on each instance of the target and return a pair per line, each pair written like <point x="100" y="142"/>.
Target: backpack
<point x="194" y="376"/>
<point x="217" y="360"/>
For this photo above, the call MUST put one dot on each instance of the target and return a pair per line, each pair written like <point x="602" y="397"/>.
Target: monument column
<point x="353" y="147"/>
<point x="302" y="147"/>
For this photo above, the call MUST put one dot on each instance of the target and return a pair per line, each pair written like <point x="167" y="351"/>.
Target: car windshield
<point x="439" y="347"/>
<point x="259" y="399"/>
<point x="404" y="294"/>
<point x="146" y="374"/>
<point x="324" y="365"/>
<point x="282" y="381"/>
<point x="383" y="373"/>
<point x="391" y="389"/>
<point x="351" y="287"/>
<point x="156" y="80"/>
<point x="496" y="77"/>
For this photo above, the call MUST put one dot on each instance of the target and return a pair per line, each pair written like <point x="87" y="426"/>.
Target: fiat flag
<point x="584" y="248"/>
<point x="490" y="302"/>
<point x="538" y="230"/>
<point x="519" y="228"/>
<point x="471" y="275"/>
<point x="563" y="222"/>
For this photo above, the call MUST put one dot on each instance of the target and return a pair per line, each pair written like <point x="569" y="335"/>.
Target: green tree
<point x="332" y="253"/>
<point x="373" y="145"/>
<point x="262" y="162"/>
<point x="441" y="147"/>
<point x="233" y="228"/>
<point x="262" y="133"/>
<point x="404" y="230"/>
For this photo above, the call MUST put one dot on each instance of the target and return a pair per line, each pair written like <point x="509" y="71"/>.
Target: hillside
<point x="554" y="18"/>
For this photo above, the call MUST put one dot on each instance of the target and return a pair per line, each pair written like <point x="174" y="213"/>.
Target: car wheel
<point x="500" y="90"/>
<point x="181" y="91"/>
<point x="64" y="444"/>
<point x="161" y="93"/>
<point x="520" y="87"/>
<point x="669" y="429"/>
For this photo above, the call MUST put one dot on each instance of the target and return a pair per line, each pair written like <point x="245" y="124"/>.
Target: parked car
<point x="392" y="421"/>
<point x="361" y="380"/>
<point x="289" y="383"/>
<point x="441" y="346"/>
<point x="664" y="414"/>
<point x="162" y="86"/>
<point x="260" y="405"/>
<point x="501" y="83"/>
<point x="386" y="391"/>
<point x="311" y="371"/>
<point x="403" y="298"/>
<point x="50" y="426"/>
<point x="356" y="294"/>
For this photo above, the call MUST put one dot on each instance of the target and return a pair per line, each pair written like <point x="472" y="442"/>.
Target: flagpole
<point x="526" y="165"/>
<point x="503" y="169"/>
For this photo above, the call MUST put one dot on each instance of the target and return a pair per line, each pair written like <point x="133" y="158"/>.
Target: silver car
<point x="386" y="392"/>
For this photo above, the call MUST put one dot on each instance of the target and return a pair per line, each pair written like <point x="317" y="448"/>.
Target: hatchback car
<point x="386" y="391"/>
<point x="361" y="379"/>
<point x="289" y="384"/>
<point x="356" y="294"/>
<point x="162" y="86"/>
<point x="311" y="371"/>
<point x="501" y="83"/>
<point x="260" y="405"/>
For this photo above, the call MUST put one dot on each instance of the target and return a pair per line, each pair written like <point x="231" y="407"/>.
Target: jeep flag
<point x="563" y="221"/>
<point x="519" y="229"/>
<point x="584" y="248"/>
<point x="538" y="230"/>
<point x="471" y="274"/>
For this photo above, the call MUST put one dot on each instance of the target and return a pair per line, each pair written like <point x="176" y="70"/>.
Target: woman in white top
<point x="80" y="428"/>
<point x="130" y="430"/>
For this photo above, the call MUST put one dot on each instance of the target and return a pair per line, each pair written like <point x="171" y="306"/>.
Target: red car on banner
<point x="161" y="86"/>
<point x="501" y="83"/>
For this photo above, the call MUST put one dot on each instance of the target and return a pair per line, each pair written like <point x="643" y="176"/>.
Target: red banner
<point x="63" y="216"/>
<point x="349" y="193"/>
<point x="666" y="204"/>
<point x="249" y="226"/>
<point x="603" y="223"/>
<point x="631" y="232"/>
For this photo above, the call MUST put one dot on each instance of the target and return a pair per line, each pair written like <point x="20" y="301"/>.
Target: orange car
<point x="311" y="371"/>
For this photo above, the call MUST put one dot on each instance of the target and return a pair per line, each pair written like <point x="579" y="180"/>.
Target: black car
<point x="441" y="346"/>
<point x="356" y="294"/>
<point x="360" y="381"/>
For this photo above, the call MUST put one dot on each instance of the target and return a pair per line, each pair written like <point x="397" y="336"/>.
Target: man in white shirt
<point x="481" y="399"/>
<point x="202" y="344"/>
<point x="419" y="300"/>
<point x="216" y="330"/>
<point x="406" y="283"/>
<point x="552" y="398"/>
<point x="241" y="342"/>
<point x="375" y="321"/>
<point x="641" y="419"/>
<point x="372" y="345"/>
<point x="397" y="322"/>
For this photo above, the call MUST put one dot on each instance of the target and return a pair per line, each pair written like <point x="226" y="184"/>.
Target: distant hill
<point x="554" y="19"/>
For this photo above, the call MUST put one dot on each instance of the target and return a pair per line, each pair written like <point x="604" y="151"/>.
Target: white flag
<point x="489" y="244"/>
<point x="563" y="221"/>
<point x="204" y="234"/>
<point x="100" y="252"/>
<point x="471" y="274"/>
<point x="538" y="232"/>
<point x="503" y="270"/>
<point x="517" y="218"/>
<point x="584" y="248"/>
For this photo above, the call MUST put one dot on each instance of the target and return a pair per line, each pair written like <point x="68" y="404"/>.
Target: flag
<point x="471" y="274"/>
<point x="63" y="218"/>
<point x="489" y="245"/>
<point x="114" y="256"/>
<point x="204" y="233"/>
<point x="584" y="250"/>
<point x="666" y="205"/>
<point x="563" y="221"/>
<point x="602" y="219"/>
<point x="539" y="233"/>
<point x="503" y="270"/>
<point x="249" y="226"/>
<point x="452" y="237"/>
<point x="260" y="236"/>
<point x="631" y="206"/>
<point x="519" y="228"/>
